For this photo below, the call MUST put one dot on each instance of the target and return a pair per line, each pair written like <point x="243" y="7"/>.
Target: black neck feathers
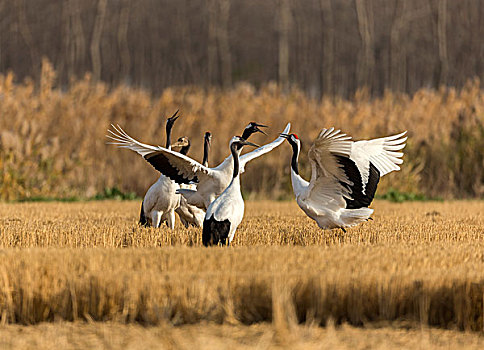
<point x="234" y="148"/>
<point x="205" y="152"/>
<point x="169" y="126"/>
<point x="184" y="149"/>
<point x="246" y="134"/>
<point x="295" y="154"/>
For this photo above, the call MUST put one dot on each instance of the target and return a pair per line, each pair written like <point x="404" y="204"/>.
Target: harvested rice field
<point x="413" y="277"/>
<point x="113" y="224"/>
<point x="209" y="336"/>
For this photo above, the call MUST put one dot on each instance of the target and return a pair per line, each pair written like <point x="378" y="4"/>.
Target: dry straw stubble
<point x="420" y="263"/>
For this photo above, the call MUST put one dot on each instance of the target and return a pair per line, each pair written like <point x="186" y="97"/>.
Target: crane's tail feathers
<point x="351" y="217"/>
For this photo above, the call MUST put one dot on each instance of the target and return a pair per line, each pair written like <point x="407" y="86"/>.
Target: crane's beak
<point x="174" y="116"/>
<point x="247" y="143"/>
<point x="286" y="136"/>
<point x="257" y="126"/>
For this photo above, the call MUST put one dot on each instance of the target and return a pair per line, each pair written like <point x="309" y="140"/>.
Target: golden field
<point x="113" y="224"/>
<point x="417" y="264"/>
<point x="209" y="336"/>
<point x="52" y="138"/>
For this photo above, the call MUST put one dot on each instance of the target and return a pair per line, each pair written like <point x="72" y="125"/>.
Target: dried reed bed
<point x="421" y="263"/>
<point x="113" y="224"/>
<point x="52" y="140"/>
<point x="210" y="336"/>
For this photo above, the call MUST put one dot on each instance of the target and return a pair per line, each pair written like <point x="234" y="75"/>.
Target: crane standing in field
<point x="160" y="200"/>
<point x="344" y="176"/>
<point x="225" y="213"/>
<point x="211" y="182"/>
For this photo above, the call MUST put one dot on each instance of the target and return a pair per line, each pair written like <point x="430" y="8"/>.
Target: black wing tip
<point x="359" y="199"/>
<point x="163" y="166"/>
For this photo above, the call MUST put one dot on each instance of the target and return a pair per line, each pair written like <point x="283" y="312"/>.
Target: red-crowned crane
<point x="161" y="200"/>
<point x="344" y="176"/>
<point x="225" y="213"/>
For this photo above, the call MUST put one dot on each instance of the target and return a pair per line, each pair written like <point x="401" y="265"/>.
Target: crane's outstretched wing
<point x="328" y="178"/>
<point x="322" y="154"/>
<point x="382" y="153"/>
<point x="263" y="150"/>
<point x="357" y="170"/>
<point x="176" y="166"/>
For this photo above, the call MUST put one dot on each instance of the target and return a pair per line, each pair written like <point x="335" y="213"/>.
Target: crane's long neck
<point x="298" y="183"/>
<point x="169" y="126"/>
<point x="235" y="155"/>
<point x="184" y="150"/>
<point x="235" y="182"/>
<point x="246" y="134"/>
<point x="205" y="153"/>
<point x="295" y="158"/>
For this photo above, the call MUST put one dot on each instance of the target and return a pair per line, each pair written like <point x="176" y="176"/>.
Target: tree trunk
<point x="75" y="43"/>
<point x="27" y="35"/>
<point x="96" y="39"/>
<point x="442" y="35"/>
<point x="397" y="54"/>
<point x="284" y="24"/>
<point x="212" y="71"/>
<point x="223" y="43"/>
<point x="366" y="61"/>
<point x="327" y="66"/>
<point x="123" y="40"/>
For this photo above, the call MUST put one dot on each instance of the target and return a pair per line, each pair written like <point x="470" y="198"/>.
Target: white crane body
<point x="344" y="176"/>
<point x="161" y="201"/>
<point x="225" y="213"/>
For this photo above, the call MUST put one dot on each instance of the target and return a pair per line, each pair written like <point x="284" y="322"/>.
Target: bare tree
<point x="212" y="67"/>
<point x="327" y="61"/>
<point x="75" y="42"/>
<point x="319" y="45"/>
<point x="442" y="34"/>
<point x="223" y="43"/>
<point x="284" y="27"/>
<point x="397" y="53"/>
<point x="366" y="62"/>
<point x="24" y="29"/>
<point x="96" y="39"/>
<point x="122" y="37"/>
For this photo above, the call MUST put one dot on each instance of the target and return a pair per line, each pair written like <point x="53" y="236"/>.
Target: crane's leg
<point x="170" y="222"/>
<point x="183" y="221"/>
<point x="156" y="218"/>
<point x="343" y="229"/>
<point x="231" y="235"/>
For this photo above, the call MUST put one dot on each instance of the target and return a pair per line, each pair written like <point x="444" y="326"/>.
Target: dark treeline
<point x="322" y="46"/>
